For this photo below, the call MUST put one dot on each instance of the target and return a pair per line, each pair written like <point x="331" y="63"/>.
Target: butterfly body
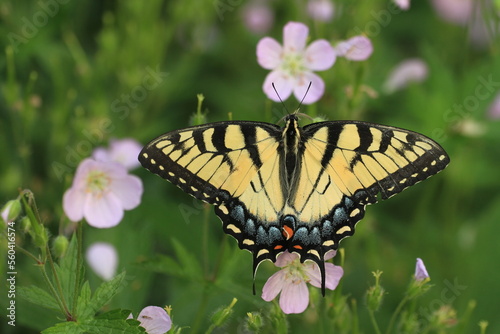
<point x="301" y="189"/>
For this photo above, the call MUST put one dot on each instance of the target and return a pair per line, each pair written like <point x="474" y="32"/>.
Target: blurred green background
<point x="75" y="77"/>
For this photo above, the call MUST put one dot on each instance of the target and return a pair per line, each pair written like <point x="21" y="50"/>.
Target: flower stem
<point x="59" y="296"/>
<point x="396" y="313"/>
<point x="79" y="235"/>
<point x="374" y="321"/>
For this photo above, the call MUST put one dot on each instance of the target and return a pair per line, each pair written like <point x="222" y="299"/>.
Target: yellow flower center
<point x="97" y="182"/>
<point x="296" y="272"/>
<point x="293" y="64"/>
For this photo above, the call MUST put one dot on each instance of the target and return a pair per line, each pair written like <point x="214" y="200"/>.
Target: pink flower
<point x="320" y="10"/>
<point x="494" y="109"/>
<point x="100" y="192"/>
<point x="124" y="151"/>
<point x="356" y="48"/>
<point x="454" y="11"/>
<point x="403" y="4"/>
<point x="103" y="259"/>
<point x="154" y="320"/>
<point x="291" y="281"/>
<point x="293" y="64"/>
<point x="258" y="16"/>
<point x="410" y="70"/>
<point x="420" y="271"/>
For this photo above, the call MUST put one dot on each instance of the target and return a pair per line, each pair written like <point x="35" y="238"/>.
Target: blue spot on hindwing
<point x="261" y="238"/>
<point x="250" y="227"/>
<point x="339" y="215"/>
<point x="301" y="235"/>
<point x="238" y="214"/>
<point x="314" y="236"/>
<point x="327" y="229"/>
<point x="274" y="234"/>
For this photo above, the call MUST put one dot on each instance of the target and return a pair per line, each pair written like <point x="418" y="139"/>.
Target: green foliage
<point x="94" y="71"/>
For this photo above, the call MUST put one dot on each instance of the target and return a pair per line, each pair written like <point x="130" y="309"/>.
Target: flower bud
<point x="11" y="210"/>
<point x="375" y="294"/>
<point x="254" y="322"/>
<point x="60" y="245"/>
<point x="222" y="315"/>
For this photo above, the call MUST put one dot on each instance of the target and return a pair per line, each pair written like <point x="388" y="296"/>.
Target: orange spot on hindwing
<point x="287" y="232"/>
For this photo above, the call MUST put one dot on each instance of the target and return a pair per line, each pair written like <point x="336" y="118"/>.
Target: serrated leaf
<point x="38" y="296"/>
<point x="108" y="290"/>
<point x="104" y="326"/>
<point x="67" y="271"/>
<point x="85" y="308"/>
<point x="189" y="263"/>
<point x="69" y="327"/>
<point x="115" y="314"/>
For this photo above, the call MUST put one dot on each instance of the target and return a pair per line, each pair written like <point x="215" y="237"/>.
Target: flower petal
<point x="295" y="37"/>
<point x="294" y="297"/>
<point x="73" y="204"/>
<point x="273" y="286"/>
<point x="128" y="190"/>
<point x="125" y="151"/>
<point x="103" y="259"/>
<point x="104" y="211"/>
<point x="333" y="274"/>
<point x="155" y="320"/>
<point x="285" y="259"/>
<point x="283" y="84"/>
<point x="315" y="91"/>
<point x="269" y="53"/>
<point x="420" y="271"/>
<point x="319" y="56"/>
<point x="410" y="70"/>
<point x="357" y="48"/>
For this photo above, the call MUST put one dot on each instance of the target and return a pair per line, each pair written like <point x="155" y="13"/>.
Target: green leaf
<point x="115" y="315"/>
<point x="97" y="326"/>
<point x="38" y="296"/>
<point x="67" y="270"/>
<point x="163" y="264"/>
<point x="104" y="326"/>
<point x="108" y="290"/>
<point x="189" y="263"/>
<point x="65" y="328"/>
<point x="85" y="309"/>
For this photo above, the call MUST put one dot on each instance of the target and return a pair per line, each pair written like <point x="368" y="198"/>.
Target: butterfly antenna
<point x="283" y="103"/>
<point x="305" y="94"/>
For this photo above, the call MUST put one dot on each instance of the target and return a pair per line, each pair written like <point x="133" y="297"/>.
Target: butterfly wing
<point x="234" y="166"/>
<point x="344" y="167"/>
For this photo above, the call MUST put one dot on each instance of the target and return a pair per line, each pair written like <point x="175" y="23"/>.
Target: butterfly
<point x="301" y="189"/>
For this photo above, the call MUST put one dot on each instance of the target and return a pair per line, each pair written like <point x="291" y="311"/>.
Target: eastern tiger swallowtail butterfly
<point x="301" y="189"/>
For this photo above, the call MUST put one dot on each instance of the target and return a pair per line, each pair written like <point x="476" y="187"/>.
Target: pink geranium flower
<point x="154" y="320"/>
<point x="100" y="192"/>
<point x="292" y="64"/>
<point x="356" y="48"/>
<point x="291" y="281"/>
<point x="124" y="151"/>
